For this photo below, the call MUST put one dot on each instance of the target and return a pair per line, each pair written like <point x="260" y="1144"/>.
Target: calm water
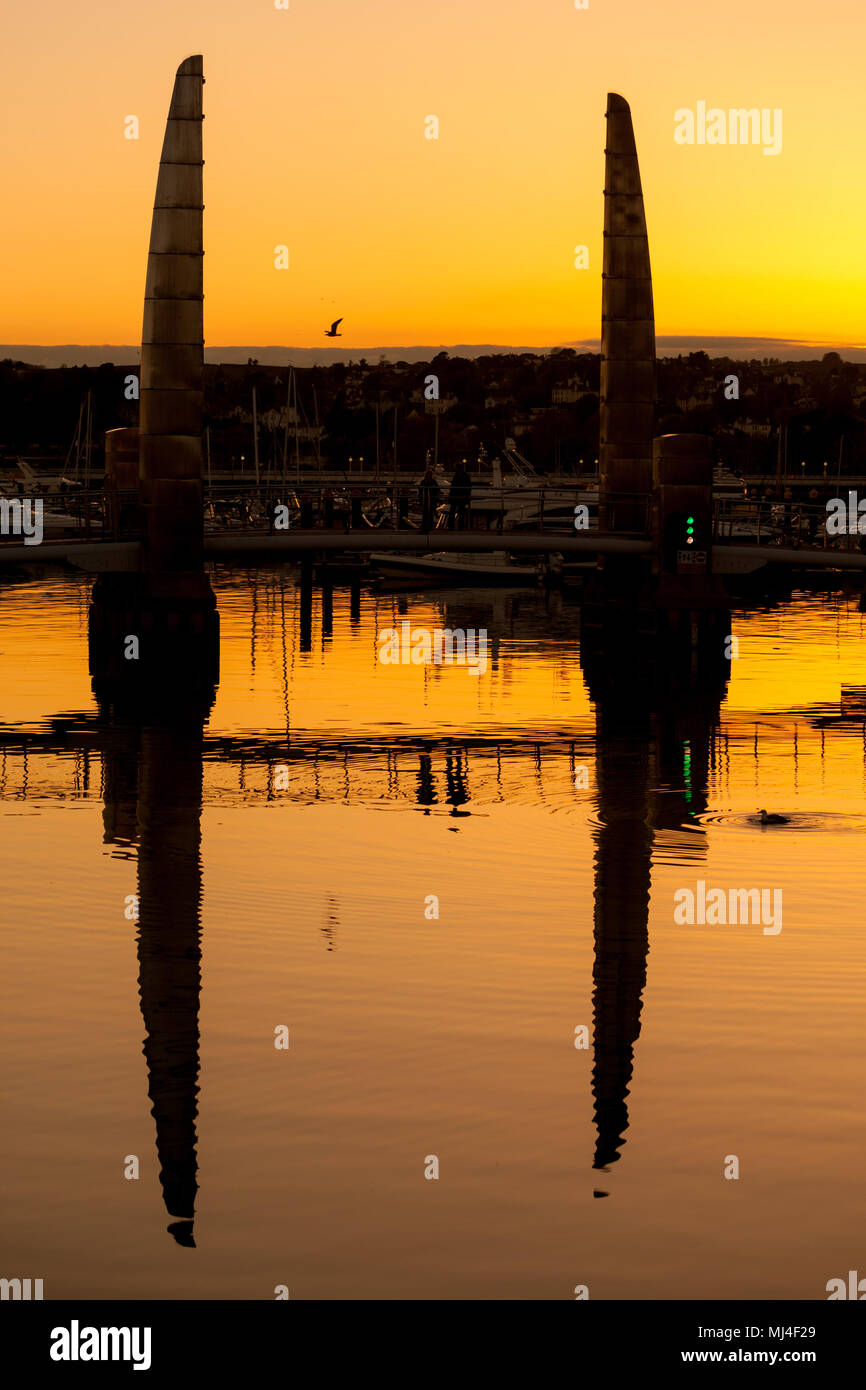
<point x="283" y="861"/>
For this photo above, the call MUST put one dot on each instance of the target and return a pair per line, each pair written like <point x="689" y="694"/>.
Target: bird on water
<point x="770" y="818"/>
<point x="332" y="331"/>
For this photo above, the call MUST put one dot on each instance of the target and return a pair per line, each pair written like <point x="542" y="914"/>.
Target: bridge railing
<point x="788" y="522"/>
<point x="272" y="508"/>
<point x="407" y="506"/>
<point x="83" y="513"/>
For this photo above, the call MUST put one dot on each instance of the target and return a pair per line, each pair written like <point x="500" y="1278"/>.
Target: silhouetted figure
<point x="460" y="499"/>
<point x="770" y="818"/>
<point x="426" y="794"/>
<point x="455" y="780"/>
<point x="332" y="331"/>
<point x="430" y="493"/>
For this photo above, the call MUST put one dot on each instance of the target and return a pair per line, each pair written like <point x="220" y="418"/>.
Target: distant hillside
<point x="84" y="355"/>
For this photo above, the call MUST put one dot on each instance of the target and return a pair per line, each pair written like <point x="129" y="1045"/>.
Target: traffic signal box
<point x="683" y="504"/>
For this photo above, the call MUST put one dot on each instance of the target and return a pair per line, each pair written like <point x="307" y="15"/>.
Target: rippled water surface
<point x="286" y="854"/>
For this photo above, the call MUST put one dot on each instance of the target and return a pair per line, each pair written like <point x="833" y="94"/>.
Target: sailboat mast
<point x="88" y="441"/>
<point x="256" y="438"/>
<point x="286" y="429"/>
<point x="297" y="426"/>
<point x="76" y="443"/>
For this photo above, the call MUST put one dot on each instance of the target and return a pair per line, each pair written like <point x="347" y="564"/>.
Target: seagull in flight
<point x="332" y="331"/>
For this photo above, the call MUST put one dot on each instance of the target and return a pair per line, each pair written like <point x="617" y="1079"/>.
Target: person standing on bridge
<point x="430" y="493"/>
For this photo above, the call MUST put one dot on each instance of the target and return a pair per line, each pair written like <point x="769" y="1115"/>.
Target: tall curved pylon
<point x="172" y="343"/>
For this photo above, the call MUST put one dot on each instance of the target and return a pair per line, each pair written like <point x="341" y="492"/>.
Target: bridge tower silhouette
<point x="168" y="605"/>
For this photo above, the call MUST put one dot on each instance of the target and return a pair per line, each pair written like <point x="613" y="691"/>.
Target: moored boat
<point x="491" y="567"/>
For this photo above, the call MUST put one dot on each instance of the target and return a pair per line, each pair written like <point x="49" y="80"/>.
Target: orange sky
<point x="314" y="137"/>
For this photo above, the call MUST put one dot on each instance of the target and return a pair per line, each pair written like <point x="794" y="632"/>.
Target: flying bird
<point x="332" y="331"/>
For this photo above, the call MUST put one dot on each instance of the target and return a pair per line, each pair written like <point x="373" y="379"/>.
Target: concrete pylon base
<point x="674" y="592"/>
<point x="645" y="629"/>
<point x="153" y="642"/>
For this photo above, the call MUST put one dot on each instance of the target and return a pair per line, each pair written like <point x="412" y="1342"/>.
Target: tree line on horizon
<point x="549" y="403"/>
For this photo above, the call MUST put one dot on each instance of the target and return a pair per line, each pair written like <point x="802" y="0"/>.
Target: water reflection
<point x="657" y="705"/>
<point x="169" y="955"/>
<point x="655" y="741"/>
<point x="654" y="719"/>
<point x="152" y="721"/>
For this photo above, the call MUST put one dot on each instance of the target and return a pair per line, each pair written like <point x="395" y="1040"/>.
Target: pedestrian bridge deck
<point x="259" y="547"/>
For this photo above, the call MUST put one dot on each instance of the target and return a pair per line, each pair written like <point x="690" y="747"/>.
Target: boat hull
<point x="486" y="569"/>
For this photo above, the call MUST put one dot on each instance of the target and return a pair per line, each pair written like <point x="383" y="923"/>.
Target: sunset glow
<point x="315" y="138"/>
